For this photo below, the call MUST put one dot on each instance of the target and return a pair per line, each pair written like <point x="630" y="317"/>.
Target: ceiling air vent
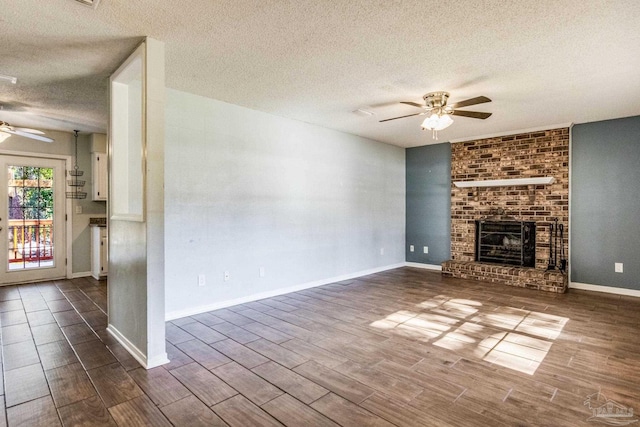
<point x="90" y="3"/>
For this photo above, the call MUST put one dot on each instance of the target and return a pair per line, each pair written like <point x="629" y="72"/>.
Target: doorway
<point x="32" y="219"/>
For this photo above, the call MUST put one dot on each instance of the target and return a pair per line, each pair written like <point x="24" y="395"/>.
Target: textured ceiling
<point x="542" y="62"/>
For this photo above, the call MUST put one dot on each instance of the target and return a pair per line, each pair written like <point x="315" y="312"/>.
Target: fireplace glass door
<point x="506" y="242"/>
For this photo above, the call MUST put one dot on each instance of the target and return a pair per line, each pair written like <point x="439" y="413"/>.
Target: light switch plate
<point x="619" y="267"/>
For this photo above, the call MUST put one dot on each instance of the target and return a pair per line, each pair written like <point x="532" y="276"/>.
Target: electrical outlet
<point x="227" y="276"/>
<point x="619" y="267"/>
<point x="201" y="280"/>
<point x="425" y="249"/>
<point x="381" y="251"/>
<point x="78" y="209"/>
<point x="261" y="271"/>
<point x="411" y="248"/>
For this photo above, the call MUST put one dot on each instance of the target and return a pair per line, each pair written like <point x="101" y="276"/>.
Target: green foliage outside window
<point x="30" y="192"/>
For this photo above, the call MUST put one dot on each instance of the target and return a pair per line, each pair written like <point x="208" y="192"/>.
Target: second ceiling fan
<point x="26" y="132"/>
<point x="440" y="112"/>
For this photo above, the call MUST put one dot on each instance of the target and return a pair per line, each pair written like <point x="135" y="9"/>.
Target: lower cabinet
<point x="99" y="252"/>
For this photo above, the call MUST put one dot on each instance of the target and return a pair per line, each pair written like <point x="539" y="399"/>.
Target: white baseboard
<point x="268" y="294"/>
<point x="424" y="266"/>
<point x="80" y="274"/>
<point x="135" y="351"/>
<point x="605" y="289"/>
<point x="157" y="361"/>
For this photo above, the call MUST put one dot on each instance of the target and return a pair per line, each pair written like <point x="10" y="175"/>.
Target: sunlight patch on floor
<point x="420" y="334"/>
<point x="455" y="309"/>
<point x="460" y="337"/>
<point x="506" y="336"/>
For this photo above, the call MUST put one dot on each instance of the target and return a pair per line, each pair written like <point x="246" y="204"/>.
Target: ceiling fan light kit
<point x="435" y="105"/>
<point x="437" y="122"/>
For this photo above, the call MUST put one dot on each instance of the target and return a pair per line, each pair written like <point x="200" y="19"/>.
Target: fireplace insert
<point x="506" y="242"/>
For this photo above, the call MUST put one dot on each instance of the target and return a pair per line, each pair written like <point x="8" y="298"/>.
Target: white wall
<point x="245" y="189"/>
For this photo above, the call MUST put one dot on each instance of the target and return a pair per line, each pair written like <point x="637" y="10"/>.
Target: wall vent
<point x="90" y="3"/>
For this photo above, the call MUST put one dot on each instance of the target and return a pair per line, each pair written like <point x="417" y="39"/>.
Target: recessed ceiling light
<point x="11" y="79"/>
<point x="90" y="3"/>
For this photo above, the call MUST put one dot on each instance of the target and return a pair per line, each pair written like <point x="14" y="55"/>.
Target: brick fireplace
<point x="525" y="155"/>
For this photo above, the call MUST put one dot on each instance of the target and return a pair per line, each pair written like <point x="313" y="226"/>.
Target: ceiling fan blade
<point x="402" y="117"/>
<point x="36" y="131"/>
<point x="26" y="134"/>
<point x="413" y="104"/>
<point x="472" y="114"/>
<point x="34" y="136"/>
<point x="472" y="101"/>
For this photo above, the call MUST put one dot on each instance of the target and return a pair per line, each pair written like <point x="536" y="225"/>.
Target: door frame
<point x="68" y="211"/>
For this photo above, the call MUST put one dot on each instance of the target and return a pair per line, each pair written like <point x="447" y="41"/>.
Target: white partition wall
<point x="136" y="205"/>
<point x="259" y="205"/>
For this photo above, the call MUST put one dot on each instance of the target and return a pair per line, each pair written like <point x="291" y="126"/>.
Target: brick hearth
<point x="522" y="277"/>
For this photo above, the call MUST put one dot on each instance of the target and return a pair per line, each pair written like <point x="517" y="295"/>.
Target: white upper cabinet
<point x="99" y="173"/>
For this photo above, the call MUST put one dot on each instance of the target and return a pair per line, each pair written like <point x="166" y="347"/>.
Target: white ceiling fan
<point x="26" y="132"/>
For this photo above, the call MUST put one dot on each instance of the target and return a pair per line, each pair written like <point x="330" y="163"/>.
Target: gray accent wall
<point x="249" y="192"/>
<point x="428" y="203"/>
<point x="605" y="202"/>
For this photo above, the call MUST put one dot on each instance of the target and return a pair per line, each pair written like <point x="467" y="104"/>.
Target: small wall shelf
<point x="505" y="182"/>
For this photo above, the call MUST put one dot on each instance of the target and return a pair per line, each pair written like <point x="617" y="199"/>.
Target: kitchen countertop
<point x="98" y="222"/>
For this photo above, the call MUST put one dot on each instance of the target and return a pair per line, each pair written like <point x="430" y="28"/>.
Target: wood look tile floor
<point x="405" y="347"/>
